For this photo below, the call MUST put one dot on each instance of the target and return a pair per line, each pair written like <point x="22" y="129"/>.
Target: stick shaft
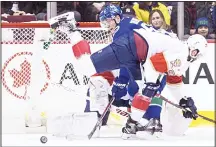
<point x="100" y="119"/>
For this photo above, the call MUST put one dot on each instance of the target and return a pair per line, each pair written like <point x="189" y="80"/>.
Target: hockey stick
<point x="105" y="111"/>
<point x="176" y="105"/>
<point x="101" y="118"/>
<point x="125" y="114"/>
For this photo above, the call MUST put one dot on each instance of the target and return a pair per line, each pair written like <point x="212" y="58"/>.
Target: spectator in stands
<point x="91" y="11"/>
<point x="204" y="10"/>
<point x="62" y="7"/>
<point x="28" y="7"/>
<point x="192" y="11"/>
<point x="189" y="18"/>
<point x="213" y="12"/>
<point x="21" y="11"/>
<point x="157" y="20"/>
<point x="14" y="8"/>
<point x="202" y="28"/>
<point x="143" y="9"/>
<point x="170" y="3"/>
<point x="128" y="11"/>
<point x="5" y="6"/>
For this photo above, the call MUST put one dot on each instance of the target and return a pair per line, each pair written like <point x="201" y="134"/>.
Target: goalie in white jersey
<point x="160" y="54"/>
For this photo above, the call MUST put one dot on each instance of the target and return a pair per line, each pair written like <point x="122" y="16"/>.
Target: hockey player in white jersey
<point x="123" y="87"/>
<point x="173" y="63"/>
<point x="168" y="55"/>
<point x="153" y="111"/>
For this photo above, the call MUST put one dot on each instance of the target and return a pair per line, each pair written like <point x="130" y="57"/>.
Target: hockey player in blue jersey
<point x="129" y="86"/>
<point x="118" y="26"/>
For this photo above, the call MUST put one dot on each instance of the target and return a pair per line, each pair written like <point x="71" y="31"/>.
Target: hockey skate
<point x="130" y="129"/>
<point x="152" y="129"/>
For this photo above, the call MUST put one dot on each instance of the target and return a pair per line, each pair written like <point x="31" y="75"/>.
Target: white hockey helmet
<point x="196" y="43"/>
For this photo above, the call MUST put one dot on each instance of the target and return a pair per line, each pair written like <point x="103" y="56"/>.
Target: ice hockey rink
<point x="201" y="136"/>
<point x="17" y="50"/>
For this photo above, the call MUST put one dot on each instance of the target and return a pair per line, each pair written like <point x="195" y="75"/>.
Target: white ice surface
<point x="108" y="137"/>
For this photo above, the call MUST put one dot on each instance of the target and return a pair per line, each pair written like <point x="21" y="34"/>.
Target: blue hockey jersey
<point x="127" y="24"/>
<point x="125" y="51"/>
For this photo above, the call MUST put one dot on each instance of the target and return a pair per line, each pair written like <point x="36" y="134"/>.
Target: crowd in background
<point x="199" y="17"/>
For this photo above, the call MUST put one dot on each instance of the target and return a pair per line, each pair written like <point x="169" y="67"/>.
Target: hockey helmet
<point x="198" y="44"/>
<point x="109" y="12"/>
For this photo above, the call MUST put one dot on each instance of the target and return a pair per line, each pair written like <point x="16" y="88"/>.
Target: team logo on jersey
<point x="16" y="75"/>
<point x="171" y="72"/>
<point x="175" y="66"/>
<point x="175" y="63"/>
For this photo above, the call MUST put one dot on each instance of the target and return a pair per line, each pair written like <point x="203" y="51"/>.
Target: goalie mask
<point x="197" y="45"/>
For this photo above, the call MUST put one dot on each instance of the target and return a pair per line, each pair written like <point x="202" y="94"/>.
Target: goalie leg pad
<point x="139" y="106"/>
<point x="73" y="124"/>
<point x="98" y="92"/>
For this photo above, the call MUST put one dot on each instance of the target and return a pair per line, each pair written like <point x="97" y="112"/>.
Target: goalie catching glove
<point x="188" y="104"/>
<point x="64" y="21"/>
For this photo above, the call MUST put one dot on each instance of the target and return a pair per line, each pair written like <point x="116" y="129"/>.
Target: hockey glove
<point x="119" y="88"/>
<point x="188" y="104"/>
<point x="150" y="90"/>
<point x="64" y="22"/>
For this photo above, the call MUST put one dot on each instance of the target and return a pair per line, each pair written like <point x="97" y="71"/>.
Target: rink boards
<point x="199" y="79"/>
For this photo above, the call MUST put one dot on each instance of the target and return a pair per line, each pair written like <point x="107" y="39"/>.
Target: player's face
<point x="111" y="24"/>
<point x="156" y="20"/>
<point x="194" y="52"/>
<point x="203" y="30"/>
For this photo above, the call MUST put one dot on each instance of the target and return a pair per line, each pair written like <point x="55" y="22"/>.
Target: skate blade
<point x="148" y="135"/>
<point x="75" y="137"/>
<point x="126" y="136"/>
